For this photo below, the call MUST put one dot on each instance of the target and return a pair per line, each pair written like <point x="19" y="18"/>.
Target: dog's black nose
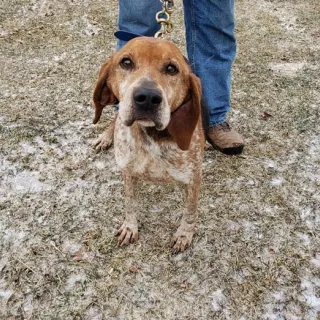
<point x="147" y="98"/>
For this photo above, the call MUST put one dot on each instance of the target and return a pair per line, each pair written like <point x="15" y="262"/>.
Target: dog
<point x="158" y="132"/>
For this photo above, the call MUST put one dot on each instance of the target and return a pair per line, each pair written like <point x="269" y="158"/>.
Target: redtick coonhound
<point x="158" y="133"/>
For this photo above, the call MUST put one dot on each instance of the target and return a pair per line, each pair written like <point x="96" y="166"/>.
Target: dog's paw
<point x="181" y="240"/>
<point x="128" y="233"/>
<point x="104" y="142"/>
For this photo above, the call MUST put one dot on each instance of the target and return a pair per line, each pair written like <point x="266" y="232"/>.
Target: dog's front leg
<point x="105" y="141"/>
<point x="128" y="233"/>
<point x="183" y="237"/>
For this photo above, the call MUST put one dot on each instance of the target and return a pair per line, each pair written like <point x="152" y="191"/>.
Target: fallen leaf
<point x="83" y="256"/>
<point x="133" y="269"/>
<point x="266" y="115"/>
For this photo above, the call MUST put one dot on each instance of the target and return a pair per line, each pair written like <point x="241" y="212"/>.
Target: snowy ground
<point x="256" y="252"/>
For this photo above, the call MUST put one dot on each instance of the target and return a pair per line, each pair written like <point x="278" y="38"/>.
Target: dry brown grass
<point x="256" y="252"/>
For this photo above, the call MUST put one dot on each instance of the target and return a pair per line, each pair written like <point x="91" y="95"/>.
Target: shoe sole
<point x="228" y="151"/>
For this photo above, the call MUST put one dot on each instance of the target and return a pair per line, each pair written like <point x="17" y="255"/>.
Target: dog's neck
<point x="155" y="134"/>
<point x="150" y="134"/>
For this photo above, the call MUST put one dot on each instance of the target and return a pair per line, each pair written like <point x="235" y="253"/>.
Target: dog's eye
<point x="126" y="63"/>
<point x="171" y="69"/>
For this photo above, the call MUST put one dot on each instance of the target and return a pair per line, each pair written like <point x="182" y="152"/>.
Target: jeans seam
<point x="193" y="35"/>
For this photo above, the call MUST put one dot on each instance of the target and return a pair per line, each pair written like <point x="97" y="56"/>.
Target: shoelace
<point x="224" y="126"/>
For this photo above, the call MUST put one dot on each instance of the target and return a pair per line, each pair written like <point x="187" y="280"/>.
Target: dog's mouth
<point x="145" y="121"/>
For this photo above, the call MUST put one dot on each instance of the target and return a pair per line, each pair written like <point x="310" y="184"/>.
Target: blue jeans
<point x="211" y="43"/>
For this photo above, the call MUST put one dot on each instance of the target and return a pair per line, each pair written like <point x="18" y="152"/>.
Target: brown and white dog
<point x="158" y="133"/>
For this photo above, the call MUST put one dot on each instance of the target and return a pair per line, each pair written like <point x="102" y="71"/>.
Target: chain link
<point x="163" y="17"/>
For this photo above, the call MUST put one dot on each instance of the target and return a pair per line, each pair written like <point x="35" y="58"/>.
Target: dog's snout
<point x="147" y="98"/>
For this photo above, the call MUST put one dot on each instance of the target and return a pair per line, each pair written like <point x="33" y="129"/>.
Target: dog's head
<point x="154" y="86"/>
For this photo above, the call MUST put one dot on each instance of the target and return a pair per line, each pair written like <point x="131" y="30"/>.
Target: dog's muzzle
<point x="147" y="99"/>
<point x="147" y="104"/>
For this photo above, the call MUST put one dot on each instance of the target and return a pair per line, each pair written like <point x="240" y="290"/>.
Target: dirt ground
<point x="256" y="251"/>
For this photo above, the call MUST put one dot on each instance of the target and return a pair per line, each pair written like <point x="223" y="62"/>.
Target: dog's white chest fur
<point x="146" y="159"/>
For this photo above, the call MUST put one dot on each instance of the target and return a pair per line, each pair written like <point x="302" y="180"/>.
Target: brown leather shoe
<point x="226" y="140"/>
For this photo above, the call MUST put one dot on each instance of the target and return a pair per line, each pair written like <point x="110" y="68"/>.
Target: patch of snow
<point x="271" y="164"/>
<point x="316" y="261"/>
<point x="100" y="165"/>
<point x="156" y="209"/>
<point x="88" y="293"/>
<point x="13" y="237"/>
<point x="275" y="306"/>
<point x="218" y="300"/>
<point x="305" y="238"/>
<point x="93" y="313"/>
<point x="27" y="148"/>
<point x="73" y="279"/>
<point x="279" y="295"/>
<point x="27" y="182"/>
<point x="60" y="58"/>
<point x="233" y="225"/>
<point x="4" y="33"/>
<point x="288" y="20"/>
<point x="249" y="227"/>
<point x="272" y="210"/>
<point x="276" y="181"/>
<point x="311" y="168"/>
<point x="90" y="29"/>
<point x="305" y="213"/>
<point x="40" y="142"/>
<point x="71" y="247"/>
<point x="5" y="294"/>
<point x="271" y="316"/>
<point x="309" y="286"/>
<point x="28" y="306"/>
<point x="309" y="217"/>
<point x="287" y="69"/>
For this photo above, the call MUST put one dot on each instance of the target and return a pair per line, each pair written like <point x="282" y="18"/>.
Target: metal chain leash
<point x="163" y="17"/>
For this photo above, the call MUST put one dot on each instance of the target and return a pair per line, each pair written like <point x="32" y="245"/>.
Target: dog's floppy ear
<point x="184" y="119"/>
<point x="103" y="94"/>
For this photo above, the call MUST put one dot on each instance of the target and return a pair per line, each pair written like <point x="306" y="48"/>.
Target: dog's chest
<point x="142" y="157"/>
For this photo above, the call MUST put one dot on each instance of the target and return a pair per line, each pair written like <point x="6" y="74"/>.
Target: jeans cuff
<point x="213" y="123"/>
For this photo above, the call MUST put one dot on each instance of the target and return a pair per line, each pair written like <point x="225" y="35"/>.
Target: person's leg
<point x="138" y="17"/>
<point x="211" y="47"/>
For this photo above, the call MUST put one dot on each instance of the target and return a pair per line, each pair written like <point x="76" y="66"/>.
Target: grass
<point x="257" y="244"/>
